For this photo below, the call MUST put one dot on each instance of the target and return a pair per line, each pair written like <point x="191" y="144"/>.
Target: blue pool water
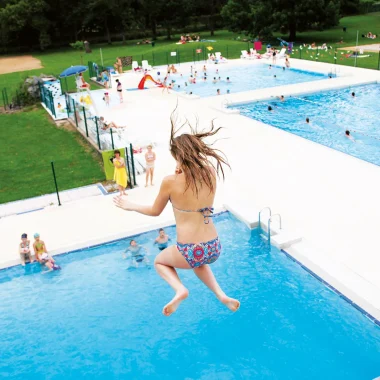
<point x="96" y="319"/>
<point x="243" y="78"/>
<point x="330" y="114"/>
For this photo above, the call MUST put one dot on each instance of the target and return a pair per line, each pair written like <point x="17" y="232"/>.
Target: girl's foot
<point x="146" y="185"/>
<point x="151" y="184"/>
<point x="231" y="303"/>
<point x="172" y="306"/>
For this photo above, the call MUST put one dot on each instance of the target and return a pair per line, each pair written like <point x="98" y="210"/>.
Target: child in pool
<point x="136" y="253"/>
<point x="162" y="239"/>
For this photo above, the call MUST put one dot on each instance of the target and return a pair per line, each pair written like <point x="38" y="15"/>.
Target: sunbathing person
<point x="103" y="125"/>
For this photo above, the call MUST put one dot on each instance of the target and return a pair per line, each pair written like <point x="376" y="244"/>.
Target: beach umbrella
<point x="73" y="70"/>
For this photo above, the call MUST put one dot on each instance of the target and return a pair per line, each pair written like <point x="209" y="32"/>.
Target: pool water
<point x="96" y="319"/>
<point x="330" y="114"/>
<point x="243" y="78"/>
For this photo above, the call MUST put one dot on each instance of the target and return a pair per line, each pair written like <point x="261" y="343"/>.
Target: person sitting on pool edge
<point x="42" y="255"/>
<point x="162" y="239"/>
<point x="24" y="249"/>
<point x="136" y="253"/>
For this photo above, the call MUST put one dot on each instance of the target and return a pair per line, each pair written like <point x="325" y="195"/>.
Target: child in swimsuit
<point x="191" y="190"/>
<point x="162" y="240"/>
<point x="150" y="158"/>
<point x="24" y="249"/>
<point x="42" y="255"/>
<point x="136" y="253"/>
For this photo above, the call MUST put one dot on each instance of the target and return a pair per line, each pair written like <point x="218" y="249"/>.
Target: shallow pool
<point x="96" y="319"/>
<point x="242" y="78"/>
<point x="331" y="113"/>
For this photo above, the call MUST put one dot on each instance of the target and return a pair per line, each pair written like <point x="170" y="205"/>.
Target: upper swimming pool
<point x="96" y="319"/>
<point x="243" y="78"/>
<point x="331" y="113"/>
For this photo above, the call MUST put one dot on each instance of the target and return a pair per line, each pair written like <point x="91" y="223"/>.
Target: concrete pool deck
<point x="330" y="199"/>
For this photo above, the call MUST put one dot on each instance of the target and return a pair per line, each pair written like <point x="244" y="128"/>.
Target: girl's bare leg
<point x="147" y="177"/>
<point x="151" y="176"/>
<point x="205" y="274"/>
<point x="165" y="263"/>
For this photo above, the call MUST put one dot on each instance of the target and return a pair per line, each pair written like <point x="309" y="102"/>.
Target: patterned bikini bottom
<point x="201" y="253"/>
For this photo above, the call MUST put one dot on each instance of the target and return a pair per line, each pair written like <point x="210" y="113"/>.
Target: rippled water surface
<point x="96" y="319"/>
<point x="242" y="78"/>
<point x="331" y="113"/>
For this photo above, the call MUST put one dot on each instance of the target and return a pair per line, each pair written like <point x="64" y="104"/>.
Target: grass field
<point x="56" y="62"/>
<point x="30" y="141"/>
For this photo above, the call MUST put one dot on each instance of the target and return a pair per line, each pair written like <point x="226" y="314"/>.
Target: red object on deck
<point x="147" y="77"/>
<point x="257" y="45"/>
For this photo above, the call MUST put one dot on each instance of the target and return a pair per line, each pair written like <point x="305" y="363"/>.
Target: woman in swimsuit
<point x="191" y="190"/>
<point x="150" y="158"/>
<point x="119" y="89"/>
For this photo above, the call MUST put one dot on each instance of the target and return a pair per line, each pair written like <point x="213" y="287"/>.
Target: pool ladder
<point x="269" y="221"/>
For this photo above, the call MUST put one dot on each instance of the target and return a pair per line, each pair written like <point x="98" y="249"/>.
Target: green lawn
<point x="56" y="62"/>
<point x="30" y="141"/>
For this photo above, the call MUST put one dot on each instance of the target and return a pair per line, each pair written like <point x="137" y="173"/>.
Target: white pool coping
<point x="326" y="197"/>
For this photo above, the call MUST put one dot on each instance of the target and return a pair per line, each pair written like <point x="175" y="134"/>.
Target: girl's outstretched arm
<point x="158" y="205"/>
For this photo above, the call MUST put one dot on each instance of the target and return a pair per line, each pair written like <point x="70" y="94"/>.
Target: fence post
<point x="85" y="120"/>
<point x="227" y="51"/>
<point x="127" y="166"/>
<point x="300" y="53"/>
<point x="113" y="145"/>
<point x="75" y="113"/>
<point x="3" y="94"/>
<point x="52" y="109"/>
<point x="335" y="57"/>
<point x="55" y="182"/>
<point x="378" y="61"/>
<point x="97" y="131"/>
<point x="167" y="58"/>
<point x="133" y="165"/>
<point x="153" y="59"/>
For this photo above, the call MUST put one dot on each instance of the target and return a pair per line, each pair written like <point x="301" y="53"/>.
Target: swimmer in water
<point x="270" y="66"/>
<point x="274" y="76"/>
<point x="136" y="253"/>
<point x="162" y="240"/>
<point x="353" y="94"/>
<point x="214" y="80"/>
<point x="348" y="135"/>
<point x="228" y="91"/>
<point x="218" y="91"/>
<point x="270" y="108"/>
<point x="282" y="98"/>
<point x="307" y="120"/>
<point x="228" y="80"/>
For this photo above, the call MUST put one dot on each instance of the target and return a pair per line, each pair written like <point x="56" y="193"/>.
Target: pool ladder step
<point x="267" y="237"/>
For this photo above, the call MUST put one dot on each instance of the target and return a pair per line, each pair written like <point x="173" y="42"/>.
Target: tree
<point x="262" y="17"/>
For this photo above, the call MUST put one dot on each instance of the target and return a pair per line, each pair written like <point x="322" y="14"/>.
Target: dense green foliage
<point x="41" y="24"/>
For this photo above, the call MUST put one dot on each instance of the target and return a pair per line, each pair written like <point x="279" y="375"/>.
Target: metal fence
<point x="48" y="99"/>
<point x="11" y="101"/>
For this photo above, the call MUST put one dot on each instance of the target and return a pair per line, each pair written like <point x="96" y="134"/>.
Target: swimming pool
<point x="330" y="114"/>
<point x="243" y="78"/>
<point x="96" y="319"/>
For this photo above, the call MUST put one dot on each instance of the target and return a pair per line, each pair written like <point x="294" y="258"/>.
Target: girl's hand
<point x="124" y="203"/>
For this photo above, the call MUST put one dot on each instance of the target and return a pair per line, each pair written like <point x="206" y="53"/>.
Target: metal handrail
<point x="265" y="208"/>
<point x="269" y="221"/>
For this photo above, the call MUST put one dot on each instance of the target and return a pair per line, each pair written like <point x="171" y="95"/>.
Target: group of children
<point x="138" y="254"/>
<point x="40" y="252"/>
<point x="135" y="252"/>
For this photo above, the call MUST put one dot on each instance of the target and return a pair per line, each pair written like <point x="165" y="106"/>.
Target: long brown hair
<point x="193" y="154"/>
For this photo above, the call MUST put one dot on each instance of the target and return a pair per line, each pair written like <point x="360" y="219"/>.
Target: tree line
<point x="46" y="23"/>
